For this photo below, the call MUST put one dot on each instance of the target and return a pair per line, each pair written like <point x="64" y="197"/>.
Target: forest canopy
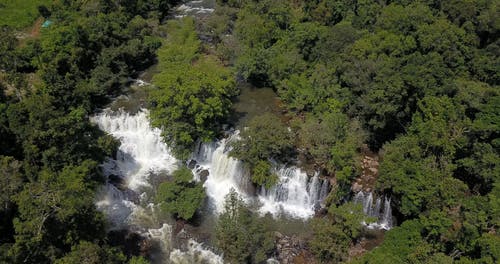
<point x="416" y="82"/>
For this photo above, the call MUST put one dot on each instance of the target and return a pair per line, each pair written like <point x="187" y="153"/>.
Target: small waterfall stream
<point x="295" y="195"/>
<point x="383" y="214"/>
<point x="224" y="172"/>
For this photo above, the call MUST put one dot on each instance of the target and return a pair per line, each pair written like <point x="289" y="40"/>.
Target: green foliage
<point x="50" y="151"/>
<point x="242" y="236"/>
<point x="138" y="260"/>
<point x="398" y="244"/>
<point x="182" y="196"/>
<point x="334" y="234"/>
<point x="10" y="182"/>
<point x="55" y="213"/>
<point x="193" y="90"/>
<point x="421" y="78"/>
<point x="262" y="175"/>
<point x="19" y="14"/>
<point x="90" y="253"/>
<point x="329" y="244"/>
<point x="333" y="140"/>
<point x="265" y="138"/>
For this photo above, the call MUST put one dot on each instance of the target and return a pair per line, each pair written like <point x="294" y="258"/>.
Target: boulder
<point x="204" y="175"/>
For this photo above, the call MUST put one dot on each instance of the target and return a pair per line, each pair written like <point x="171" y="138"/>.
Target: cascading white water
<point x="142" y="151"/>
<point x="383" y="215"/>
<point x="195" y="8"/>
<point x="141" y="155"/>
<point x="294" y="195"/>
<point x="225" y="173"/>
<point x="195" y="254"/>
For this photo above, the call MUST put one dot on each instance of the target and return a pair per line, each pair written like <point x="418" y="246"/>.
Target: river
<point x="144" y="160"/>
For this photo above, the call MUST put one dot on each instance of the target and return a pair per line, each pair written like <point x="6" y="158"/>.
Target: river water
<point x="144" y="160"/>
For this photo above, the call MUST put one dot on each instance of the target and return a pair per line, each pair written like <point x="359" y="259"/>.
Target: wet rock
<point x="132" y="195"/>
<point x="192" y="164"/>
<point x="204" y="175"/>
<point x="117" y="181"/>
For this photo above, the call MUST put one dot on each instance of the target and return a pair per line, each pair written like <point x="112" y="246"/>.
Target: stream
<point x="144" y="160"/>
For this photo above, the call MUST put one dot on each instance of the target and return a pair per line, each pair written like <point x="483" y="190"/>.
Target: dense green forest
<point x="50" y="151"/>
<point x="415" y="81"/>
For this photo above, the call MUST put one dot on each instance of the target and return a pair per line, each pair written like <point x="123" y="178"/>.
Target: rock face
<point x="369" y="166"/>
<point x="204" y="175"/>
<point x="289" y="249"/>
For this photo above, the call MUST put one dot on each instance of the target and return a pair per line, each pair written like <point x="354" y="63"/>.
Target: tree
<point x="243" y="237"/>
<point x="182" y="196"/>
<point x="90" y="253"/>
<point x="330" y="243"/>
<point x="334" y="234"/>
<point x="265" y="138"/>
<point x="55" y="213"/>
<point x="398" y="244"/>
<point x="333" y="140"/>
<point x="10" y="182"/>
<point x="193" y="91"/>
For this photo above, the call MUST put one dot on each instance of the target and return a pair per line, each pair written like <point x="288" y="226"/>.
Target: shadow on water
<point x="252" y="102"/>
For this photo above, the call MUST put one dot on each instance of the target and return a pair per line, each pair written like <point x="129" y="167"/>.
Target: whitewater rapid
<point x="127" y="199"/>
<point x="143" y="160"/>
<point x="296" y="195"/>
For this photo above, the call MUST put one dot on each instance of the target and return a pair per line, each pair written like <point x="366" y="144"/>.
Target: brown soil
<point x="370" y="165"/>
<point x="371" y="240"/>
<point x="35" y="29"/>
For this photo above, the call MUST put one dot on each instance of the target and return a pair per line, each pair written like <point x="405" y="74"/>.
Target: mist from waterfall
<point x="383" y="213"/>
<point x="225" y="172"/>
<point x="295" y="195"/>
<point x="127" y="198"/>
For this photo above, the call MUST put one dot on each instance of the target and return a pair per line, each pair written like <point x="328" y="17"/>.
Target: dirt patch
<point x="35" y="29"/>
<point x="32" y="32"/>
<point x="369" y="165"/>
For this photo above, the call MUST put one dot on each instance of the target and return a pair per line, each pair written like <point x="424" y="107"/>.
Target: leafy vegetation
<point x="182" y="196"/>
<point x="416" y="81"/>
<point x="50" y="152"/>
<point x="20" y="14"/>
<point x="193" y="90"/>
<point x="265" y="138"/>
<point x="334" y="233"/>
<point x="244" y="237"/>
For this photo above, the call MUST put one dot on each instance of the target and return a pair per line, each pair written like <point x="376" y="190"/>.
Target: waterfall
<point x="126" y="199"/>
<point x="142" y="151"/>
<point x="294" y="195"/>
<point x="383" y="215"/>
<point x="386" y="222"/>
<point x="224" y="172"/>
